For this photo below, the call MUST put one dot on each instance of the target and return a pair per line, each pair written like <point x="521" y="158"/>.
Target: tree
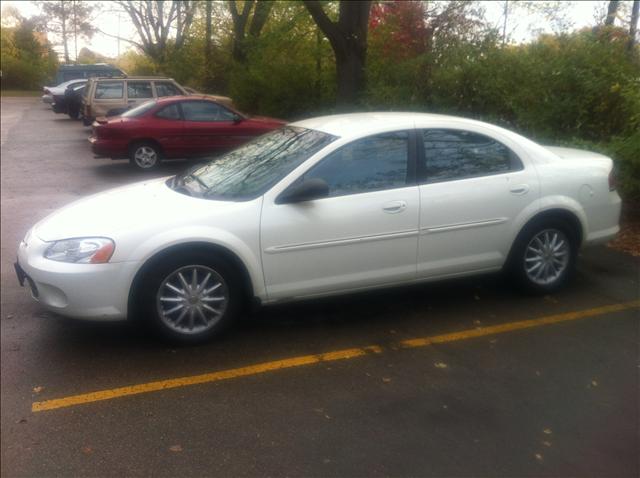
<point x="611" y="12"/>
<point x="261" y="11"/>
<point x="348" y="38"/>
<point x="64" y="18"/>
<point x="633" y="28"/>
<point x="155" y="20"/>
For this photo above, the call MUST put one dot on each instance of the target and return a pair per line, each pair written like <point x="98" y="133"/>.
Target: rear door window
<point x="457" y="154"/>
<point x="109" y="90"/>
<point x="139" y="89"/>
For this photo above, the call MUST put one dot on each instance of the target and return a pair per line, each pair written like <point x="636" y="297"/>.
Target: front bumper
<point x="47" y="99"/>
<point x="87" y="291"/>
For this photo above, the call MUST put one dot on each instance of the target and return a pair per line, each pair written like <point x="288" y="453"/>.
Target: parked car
<point x="51" y="91"/>
<point x="114" y="96"/>
<point x="73" y="72"/>
<point x="175" y="127"/>
<point x="321" y="207"/>
<point x="71" y="102"/>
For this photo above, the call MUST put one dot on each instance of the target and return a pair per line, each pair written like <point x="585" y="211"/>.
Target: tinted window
<point x="254" y="167"/>
<point x="454" y="154"/>
<point x="368" y="164"/>
<point x="171" y="112"/>
<point x="167" y="89"/>
<point x="109" y="90"/>
<point x="139" y="89"/>
<point x="205" y="111"/>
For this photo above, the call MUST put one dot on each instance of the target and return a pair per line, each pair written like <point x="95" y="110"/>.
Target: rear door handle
<point x="394" y="207"/>
<point x="520" y="189"/>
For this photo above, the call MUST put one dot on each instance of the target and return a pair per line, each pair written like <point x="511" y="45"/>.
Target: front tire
<point x="544" y="257"/>
<point x="145" y="156"/>
<point x="191" y="298"/>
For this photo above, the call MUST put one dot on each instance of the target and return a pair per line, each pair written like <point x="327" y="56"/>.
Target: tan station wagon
<point x="113" y="96"/>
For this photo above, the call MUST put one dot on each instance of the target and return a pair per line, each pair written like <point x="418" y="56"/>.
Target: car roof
<point x="360" y="124"/>
<point x="127" y="77"/>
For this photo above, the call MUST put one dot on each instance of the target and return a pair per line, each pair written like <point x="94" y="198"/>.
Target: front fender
<point x="203" y="234"/>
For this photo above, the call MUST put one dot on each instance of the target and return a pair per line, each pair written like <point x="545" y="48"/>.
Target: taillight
<point x="613" y="180"/>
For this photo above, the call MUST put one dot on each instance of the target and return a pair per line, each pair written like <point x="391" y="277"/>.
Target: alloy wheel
<point x="192" y="299"/>
<point x="547" y="256"/>
<point x="145" y="157"/>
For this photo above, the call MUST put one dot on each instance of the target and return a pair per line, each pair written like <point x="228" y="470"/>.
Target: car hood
<point x="149" y="205"/>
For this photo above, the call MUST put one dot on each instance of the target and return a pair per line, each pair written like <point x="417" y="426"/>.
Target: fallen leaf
<point x="22" y="420"/>
<point x="10" y="316"/>
<point x="87" y="450"/>
<point x="38" y="389"/>
<point x="546" y="443"/>
<point x="445" y="406"/>
<point x="440" y="365"/>
<point x="594" y="383"/>
<point x="175" y="448"/>
<point x="386" y="379"/>
<point x="547" y="431"/>
<point x="538" y="457"/>
<point x="538" y="373"/>
<point x="477" y="322"/>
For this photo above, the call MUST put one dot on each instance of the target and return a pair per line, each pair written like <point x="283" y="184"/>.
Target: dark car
<point x="69" y="103"/>
<point x="175" y="127"/>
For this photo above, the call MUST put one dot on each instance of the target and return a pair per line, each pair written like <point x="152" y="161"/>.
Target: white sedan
<point x="320" y="207"/>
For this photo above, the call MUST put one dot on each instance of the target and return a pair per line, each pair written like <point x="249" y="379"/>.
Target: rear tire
<point x="544" y="256"/>
<point x="145" y="156"/>
<point x="190" y="298"/>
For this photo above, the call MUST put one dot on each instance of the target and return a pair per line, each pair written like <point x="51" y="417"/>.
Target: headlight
<point x="85" y="250"/>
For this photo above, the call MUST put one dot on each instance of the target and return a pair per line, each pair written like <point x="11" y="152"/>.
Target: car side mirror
<point x="307" y="190"/>
<point x="237" y="119"/>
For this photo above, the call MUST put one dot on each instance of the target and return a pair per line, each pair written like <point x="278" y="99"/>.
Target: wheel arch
<point x="568" y="216"/>
<point x="200" y="246"/>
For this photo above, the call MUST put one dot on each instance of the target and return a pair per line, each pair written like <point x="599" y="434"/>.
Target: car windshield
<point x="139" y="110"/>
<point x="249" y="171"/>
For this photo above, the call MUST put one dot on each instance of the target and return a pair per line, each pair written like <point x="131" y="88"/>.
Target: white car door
<point x="364" y="233"/>
<point x="472" y="188"/>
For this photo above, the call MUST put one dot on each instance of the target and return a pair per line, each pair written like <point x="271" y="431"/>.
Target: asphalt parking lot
<point x="464" y="378"/>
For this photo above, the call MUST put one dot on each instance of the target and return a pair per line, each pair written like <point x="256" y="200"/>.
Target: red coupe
<point x="175" y="127"/>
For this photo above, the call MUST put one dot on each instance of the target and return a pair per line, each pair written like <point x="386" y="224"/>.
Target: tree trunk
<point x="64" y="32"/>
<point x="207" y="47"/>
<point x="348" y="38"/>
<point x="611" y="12"/>
<point x="633" y="28"/>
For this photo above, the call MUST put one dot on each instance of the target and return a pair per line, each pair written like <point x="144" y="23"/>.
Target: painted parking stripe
<point x="306" y="360"/>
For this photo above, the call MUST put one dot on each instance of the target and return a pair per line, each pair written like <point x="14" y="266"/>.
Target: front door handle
<point x="520" y="189"/>
<point x="394" y="207"/>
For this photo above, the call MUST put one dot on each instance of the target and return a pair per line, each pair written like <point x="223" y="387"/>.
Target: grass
<point x="21" y="93"/>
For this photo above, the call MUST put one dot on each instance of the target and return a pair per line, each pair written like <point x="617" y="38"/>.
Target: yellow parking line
<point x="324" y="357"/>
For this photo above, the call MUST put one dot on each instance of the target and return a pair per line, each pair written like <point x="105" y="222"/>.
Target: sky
<point x="521" y="26"/>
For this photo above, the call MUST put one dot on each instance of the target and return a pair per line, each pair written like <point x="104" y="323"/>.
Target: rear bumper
<point x="108" y="148"/>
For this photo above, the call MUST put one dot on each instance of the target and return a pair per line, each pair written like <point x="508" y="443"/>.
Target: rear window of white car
<point x="109" y="90"/>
